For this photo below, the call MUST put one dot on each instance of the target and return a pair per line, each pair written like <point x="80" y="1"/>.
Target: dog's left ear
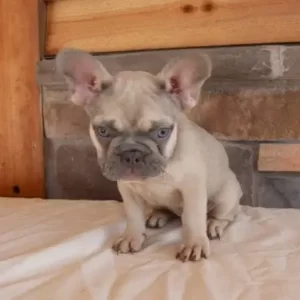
<point x="84" y="74"/>
<point x="184" y="78"/>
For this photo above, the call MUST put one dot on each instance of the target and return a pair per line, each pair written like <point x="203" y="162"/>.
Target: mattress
<point x="62" y="250"/>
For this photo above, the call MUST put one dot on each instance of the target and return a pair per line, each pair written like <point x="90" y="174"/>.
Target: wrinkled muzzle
<point x="132" y="161"/>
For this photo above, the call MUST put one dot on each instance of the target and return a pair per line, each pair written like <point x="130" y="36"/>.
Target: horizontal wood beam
<point x="279" y="158"/>
<point x="118" y="25"/>
<point x="21" y="139"/>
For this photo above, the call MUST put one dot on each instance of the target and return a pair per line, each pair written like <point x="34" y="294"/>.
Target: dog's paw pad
<point x="215" y="228"/>
<point x="129" y="244"/>
<point x="194" y="252"/>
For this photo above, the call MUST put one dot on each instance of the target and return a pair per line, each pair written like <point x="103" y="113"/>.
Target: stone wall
<point x="252" y="96"/>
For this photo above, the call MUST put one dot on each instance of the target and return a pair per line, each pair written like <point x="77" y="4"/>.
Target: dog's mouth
<point x="133" y="174"/>
<point x="117" y="172"/>
<point x="130" y="175"/>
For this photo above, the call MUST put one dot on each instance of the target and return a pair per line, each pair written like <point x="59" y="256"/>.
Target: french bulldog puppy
<point x="164" y="164"/>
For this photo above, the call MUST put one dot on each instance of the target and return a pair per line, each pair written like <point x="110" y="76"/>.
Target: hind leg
<point x="159" y="218"/>
<point x="216" y="227"/>
<point x="224" y="207"/>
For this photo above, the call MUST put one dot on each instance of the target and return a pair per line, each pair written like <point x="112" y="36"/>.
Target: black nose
<point x="132" y="158"/>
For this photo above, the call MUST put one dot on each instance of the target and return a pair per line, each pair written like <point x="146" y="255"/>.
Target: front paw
<point x="129" y="243"/>
<point x="193" y="251"/>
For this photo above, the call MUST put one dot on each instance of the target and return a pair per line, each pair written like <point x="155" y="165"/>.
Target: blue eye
<point x="163" y="132"/>
<point x="103" y="131"/>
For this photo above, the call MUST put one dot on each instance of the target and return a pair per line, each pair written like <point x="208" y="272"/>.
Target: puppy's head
<point x="133" y="115"/>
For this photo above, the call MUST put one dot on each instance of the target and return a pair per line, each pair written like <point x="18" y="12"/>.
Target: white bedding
<point x="61" y="250"/>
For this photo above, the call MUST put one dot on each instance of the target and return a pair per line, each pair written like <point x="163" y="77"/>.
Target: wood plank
<point x="279" y="158"/>
<point x="42" y="15"/>
<point x="118" y="25"/>
<point x="21" y="139"/>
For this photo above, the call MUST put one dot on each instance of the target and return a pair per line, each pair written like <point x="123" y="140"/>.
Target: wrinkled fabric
<point x="61" y="250"/>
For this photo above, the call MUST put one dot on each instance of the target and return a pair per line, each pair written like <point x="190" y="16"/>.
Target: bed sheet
<point x="61" y="250"/>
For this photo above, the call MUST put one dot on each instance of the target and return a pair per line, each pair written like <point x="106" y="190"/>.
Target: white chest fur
<point x="160" y="193"/>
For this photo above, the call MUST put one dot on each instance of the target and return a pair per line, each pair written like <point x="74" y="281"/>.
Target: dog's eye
<point x="163" y="132"/>
<point x="103" y="131"/>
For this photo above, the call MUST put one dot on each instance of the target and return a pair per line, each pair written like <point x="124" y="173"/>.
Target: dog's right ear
<point x="85" y="75"/>
<point x="184" y="78"/>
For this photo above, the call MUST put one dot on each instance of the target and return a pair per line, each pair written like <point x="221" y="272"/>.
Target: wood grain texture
<point x="279" y="158"/>
<point x="42" y="15"/>
<point x="118" y="25"/>
<point x="21" y="147"/>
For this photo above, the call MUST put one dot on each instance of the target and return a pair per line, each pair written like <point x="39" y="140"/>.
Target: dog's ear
<point x="85" y="75"/>
<point x="184" y="78"/>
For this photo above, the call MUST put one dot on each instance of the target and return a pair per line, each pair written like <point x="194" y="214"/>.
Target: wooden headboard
<point x="124" y="25"/>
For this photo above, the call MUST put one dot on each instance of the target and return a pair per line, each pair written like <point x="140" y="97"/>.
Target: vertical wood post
<point x="21" y="136"/>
